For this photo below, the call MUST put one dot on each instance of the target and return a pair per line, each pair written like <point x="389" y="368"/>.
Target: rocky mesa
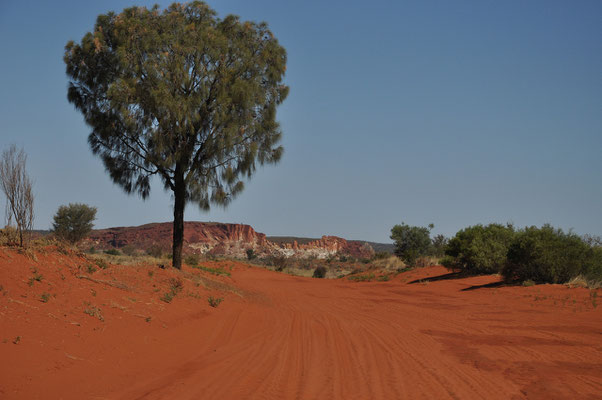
<point x="214" y="238"/>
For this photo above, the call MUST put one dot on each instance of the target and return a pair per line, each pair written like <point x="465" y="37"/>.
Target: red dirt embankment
<point x="107" y="335"/>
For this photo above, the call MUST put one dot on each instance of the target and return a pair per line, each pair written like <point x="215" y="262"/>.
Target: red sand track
<point x="281" y="337"/>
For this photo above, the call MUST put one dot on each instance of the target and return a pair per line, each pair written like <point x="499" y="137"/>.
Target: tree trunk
<point x="178" y="218"/>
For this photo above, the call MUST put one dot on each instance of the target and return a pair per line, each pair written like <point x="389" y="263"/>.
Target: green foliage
<point x="479" y="249"/>
<point x="175" y="287"/>
<point x="320" y="272"/>
<point x="214" y="271"/>
<point x="112" y="252"/>
<point x="73" y="222"/>
<point x="251" y="254"/>
<point x="214" y="302"/>
<point x="411" y="242"/>
<point x="180" y="94"/>
<point x="550" y="255"/>
<point x="44" y="297"/>
<point x="438" y="245"/>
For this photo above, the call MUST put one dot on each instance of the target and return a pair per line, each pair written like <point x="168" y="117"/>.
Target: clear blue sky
<point x="450" y="112"/>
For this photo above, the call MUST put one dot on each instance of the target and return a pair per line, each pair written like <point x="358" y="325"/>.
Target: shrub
<point x="9" y="236"/>
<point x="438" y="245"/>
<point x="411" y="242"/>
<point x="380" y="255"/>
<point x="251" y="254"/>
<point x="214" y="302"/>
<point x="320" y="272"/>
<point x="102" y="263"/>
<point x="192" y="260"/>
<point x="549" y="255"/>
<point x="280" y="262"/>
<point x="73" y="222"/>
<point x="479" y="249"/>
<point x="154" y="251"/>
<point x="175" y="286"/>
<point x="112" y="252"/>
<point x="129" y="250"/>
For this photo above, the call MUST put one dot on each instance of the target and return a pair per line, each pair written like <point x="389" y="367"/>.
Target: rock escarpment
<point x="223" y="239"/>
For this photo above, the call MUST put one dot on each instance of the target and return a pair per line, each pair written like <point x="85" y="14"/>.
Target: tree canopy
<point x="411" y="242"/>
<point x="182" y="95"/>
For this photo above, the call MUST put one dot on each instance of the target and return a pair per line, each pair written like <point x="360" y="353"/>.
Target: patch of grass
<point x="91" y="269"/>
<point x="167" y="297"/>
<point x="112" y="252"/>
<point x="383" y="278"/>
<point x="35" y="278"/>
<point x="528" y="283"/>
<point x="362" y="278"/>
<point x="45" y="297"/>
<point x="593" y="295"/>
<point x="151" y="273"/>
<point x="214" y="271"/>
<point x="214" y="302"/>
<point x="93" y="311"/>
<point x="102" y="264"/>
<point x="192" y="260"/>
<point x="175" y="287"/>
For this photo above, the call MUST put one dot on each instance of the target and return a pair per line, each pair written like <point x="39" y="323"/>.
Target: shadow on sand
<point x="460" y="275"/>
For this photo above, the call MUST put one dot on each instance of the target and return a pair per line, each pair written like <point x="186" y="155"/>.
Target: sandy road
<point x="317" y="339"/>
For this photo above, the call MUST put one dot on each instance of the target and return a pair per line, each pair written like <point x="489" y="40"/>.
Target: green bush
<point x="479" y="249"/>
<point x="438" y="246"/>
<point x="73" y="222"/>
<point x="550" y="255"/>
<point x="251" y="254"/>
<point x="411" y="242"/>
<point x="112" y="252"/>
<point x="320" y="272"/>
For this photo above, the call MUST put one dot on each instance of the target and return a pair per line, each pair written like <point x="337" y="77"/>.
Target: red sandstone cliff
<point x="222" y="239"/>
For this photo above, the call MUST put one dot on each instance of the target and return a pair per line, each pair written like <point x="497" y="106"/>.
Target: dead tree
<point x="17" y="187"/>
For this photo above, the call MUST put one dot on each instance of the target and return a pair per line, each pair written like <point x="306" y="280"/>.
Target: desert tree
<point x="17" y="188"/>
<point x="411" y="242"/>
<point x="182" y="95"/>
<point x="73" y="222"/>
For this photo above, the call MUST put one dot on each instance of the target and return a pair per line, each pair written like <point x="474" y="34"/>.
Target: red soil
<point x="277" y="336"/>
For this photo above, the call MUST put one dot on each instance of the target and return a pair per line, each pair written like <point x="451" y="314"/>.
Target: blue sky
<point x="453" y="113"/>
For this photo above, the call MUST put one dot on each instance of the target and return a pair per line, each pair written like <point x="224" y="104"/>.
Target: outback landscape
<point x="76" y="325"/>
<point x="432" y="231"/>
